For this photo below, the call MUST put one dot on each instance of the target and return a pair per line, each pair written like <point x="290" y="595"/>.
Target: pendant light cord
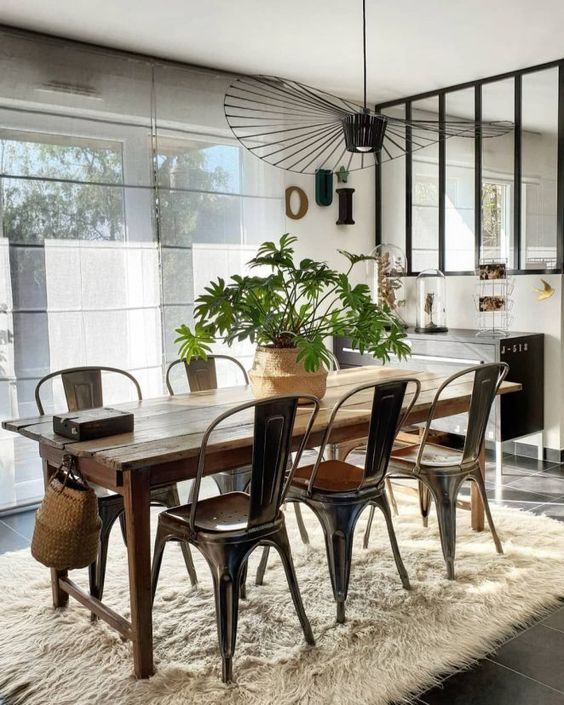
<point x="364" y="47"/>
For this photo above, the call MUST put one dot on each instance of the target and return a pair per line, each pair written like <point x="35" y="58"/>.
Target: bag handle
<point x="69" y="469"/>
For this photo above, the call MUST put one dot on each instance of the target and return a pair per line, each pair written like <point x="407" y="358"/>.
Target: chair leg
<point x="244" y="581"/>
<point x="283" y="547"/>
<point x="187" y="555"/>
<point x="160" y="542"/>
<point x="170" y="498"/>
<point x="338" y="522"/>
<point x="382" y="503"/>
<point x="233" y="480"/>
<point x="109" y="508"/>
<point x="226" y="582"/>
<point x="368" y="527"/>
<point x="424" y="503"/>
<point x="391" y="496"/>
<point x="259" y="580"/>
<point x="300" y="522"/>
<point x="223" y="481"/>
<point x="445" y="491"/>
<point x="479" y="480"/>
<point x="122" y="528"/>
<point x="97" y="571"/>
<point x="262" y="566"/>
<point x="92" y="583"/>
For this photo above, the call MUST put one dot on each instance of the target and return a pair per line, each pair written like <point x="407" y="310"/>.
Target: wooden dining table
<point x="164" y="447"/>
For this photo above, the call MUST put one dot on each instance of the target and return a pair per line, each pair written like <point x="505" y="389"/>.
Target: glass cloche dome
<point x="431" y="302"/>
<point x="385" y="276"/>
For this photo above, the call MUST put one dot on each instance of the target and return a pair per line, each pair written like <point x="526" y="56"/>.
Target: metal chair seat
<point x="434" y="457"/>
<point x="224" y="512"/>
<point x="332" y="476"/>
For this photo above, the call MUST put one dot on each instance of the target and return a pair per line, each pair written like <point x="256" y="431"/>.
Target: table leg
<point x="60" y="597"/>
<point x="137" y="523"/>
<point x="477" y="512"/>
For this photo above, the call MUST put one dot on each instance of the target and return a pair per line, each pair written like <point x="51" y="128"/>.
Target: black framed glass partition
<point x="539" y="170"/>
<point x="425" y="193"/>
<point x="463" y="199"/>
<point x="460" y="234"/>
<point x="393" y="190"/>
<point x="498" y="198"/>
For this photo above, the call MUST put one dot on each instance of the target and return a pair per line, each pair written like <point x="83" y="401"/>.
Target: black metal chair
<point x="441" y="470"/>
<point x="202" y="376"/>
<point x="228" y="527"/>
<point x="340" y="451"/>
<point x="338" y="492"/>
<point x="83" y="389"/>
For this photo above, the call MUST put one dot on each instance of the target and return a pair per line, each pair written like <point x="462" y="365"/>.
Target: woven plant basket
<point x="67" y="525"/>
<point x="277" y="371"/>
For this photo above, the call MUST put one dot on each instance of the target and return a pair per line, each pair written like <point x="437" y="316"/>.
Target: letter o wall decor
<point x="303" y="203"/>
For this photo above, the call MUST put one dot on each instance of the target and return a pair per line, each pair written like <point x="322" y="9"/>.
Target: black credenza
<point x="514" y="415"/>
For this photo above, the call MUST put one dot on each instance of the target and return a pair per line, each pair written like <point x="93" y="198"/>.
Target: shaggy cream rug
<point x="394" y="644"/>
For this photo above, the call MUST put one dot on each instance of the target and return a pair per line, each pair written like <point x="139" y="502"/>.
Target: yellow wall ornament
<point x="546" y="292"/>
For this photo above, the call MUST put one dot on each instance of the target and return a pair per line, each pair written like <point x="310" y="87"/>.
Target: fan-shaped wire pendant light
<point x="302" y="129"/>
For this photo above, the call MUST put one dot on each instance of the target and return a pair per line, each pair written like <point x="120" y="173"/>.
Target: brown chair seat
<point x="332" y="476"/>
<point x="224" y="512"/>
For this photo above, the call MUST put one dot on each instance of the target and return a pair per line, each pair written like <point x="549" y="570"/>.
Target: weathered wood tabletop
<point x="164" y="446"/>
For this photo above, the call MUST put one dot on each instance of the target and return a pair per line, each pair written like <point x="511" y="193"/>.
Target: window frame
<point x="516" y="215"/>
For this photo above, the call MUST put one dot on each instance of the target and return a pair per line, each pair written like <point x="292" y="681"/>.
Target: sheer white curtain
<point x="122" y="194"/>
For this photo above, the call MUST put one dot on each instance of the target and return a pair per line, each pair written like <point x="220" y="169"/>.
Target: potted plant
<point x="288" y="310"/>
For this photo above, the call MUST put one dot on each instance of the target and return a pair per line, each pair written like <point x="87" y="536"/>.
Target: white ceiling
<point x="413" y="45"/>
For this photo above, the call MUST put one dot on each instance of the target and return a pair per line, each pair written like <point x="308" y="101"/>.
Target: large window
<point x="122" y="194"/>
<point x="480" y="197"/>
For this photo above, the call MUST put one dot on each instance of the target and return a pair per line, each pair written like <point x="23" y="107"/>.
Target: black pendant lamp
<point x="303" y="129"/>
<point x="364" y="132"/>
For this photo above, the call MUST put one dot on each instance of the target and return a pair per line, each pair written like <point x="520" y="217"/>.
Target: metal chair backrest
<point x="82" y="386"/>
<point x="386" y="418"/>
<point x="202" y="374"/>
<point x="486" y="381"/>
<point x="273" y="426"/>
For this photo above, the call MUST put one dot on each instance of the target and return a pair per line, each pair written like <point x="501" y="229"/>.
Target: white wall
<point x="318" y="235"/>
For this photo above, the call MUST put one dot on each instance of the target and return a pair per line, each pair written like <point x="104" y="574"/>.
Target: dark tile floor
<point x="526" y="670"/>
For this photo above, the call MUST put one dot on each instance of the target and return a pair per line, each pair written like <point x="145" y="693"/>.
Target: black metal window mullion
<point x="408" y="191"/>
<point x="517" y="172"/>
<point x="477" y="176"/>
<point x="560" y="171"/>
<point x="442" y="183"/>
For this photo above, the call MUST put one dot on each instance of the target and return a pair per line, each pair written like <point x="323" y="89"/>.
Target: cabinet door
<point x="523" y="412"/>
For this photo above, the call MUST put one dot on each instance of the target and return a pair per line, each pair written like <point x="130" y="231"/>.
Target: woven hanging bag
<point x="67" y="525"/>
